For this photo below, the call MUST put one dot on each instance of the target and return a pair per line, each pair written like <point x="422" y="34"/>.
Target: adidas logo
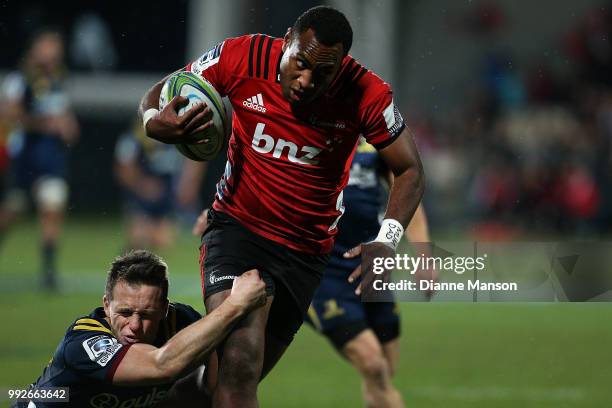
<point x="255" y="102"/>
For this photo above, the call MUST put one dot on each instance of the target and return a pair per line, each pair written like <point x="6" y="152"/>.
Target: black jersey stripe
<point x="267" y="57"/>
<point x="355" y="67"/>
<point x="280" y="56"/>
<point x="361" y="73"/>
<point x="253" y="38"/>
<point x="259" y="49"/>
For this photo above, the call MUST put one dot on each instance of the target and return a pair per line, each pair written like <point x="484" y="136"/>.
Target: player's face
<point x="135" y="312"/>
<point x="47" y="53"/>
<point x="307" y="67"/>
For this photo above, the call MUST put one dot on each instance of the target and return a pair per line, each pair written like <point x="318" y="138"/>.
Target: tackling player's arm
<point x="165" y="125"/>
<point x="145" y="364"/>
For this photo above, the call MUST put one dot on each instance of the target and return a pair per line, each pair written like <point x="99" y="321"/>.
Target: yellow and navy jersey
<point x="39" y="96"/>
<point x="363" y="197"/>
<point x="154" y="158"/>
<point x="89" y="354"/>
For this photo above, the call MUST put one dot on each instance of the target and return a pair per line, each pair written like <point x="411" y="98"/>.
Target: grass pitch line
<point x="502" y="393"/>
<point x="91" y="282"/>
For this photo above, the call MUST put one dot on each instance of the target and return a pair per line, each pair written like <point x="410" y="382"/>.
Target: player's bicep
<point x="139" y="367"/>
<point x="402" y="154"/>
<point x="382" y="121"/>
<point x="93" y="353"/>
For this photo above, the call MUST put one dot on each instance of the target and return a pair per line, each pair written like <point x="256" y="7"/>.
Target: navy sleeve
<point x="185" y="315"/>
<point x="94" y="354"/>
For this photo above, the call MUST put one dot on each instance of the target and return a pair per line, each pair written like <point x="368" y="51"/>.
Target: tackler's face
<point x="307" y="67"/>
<point x="135" y="312"/>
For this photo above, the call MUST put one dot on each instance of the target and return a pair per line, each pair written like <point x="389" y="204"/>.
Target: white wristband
<point x="149" y="113"/>
<point x="390" y="233"/>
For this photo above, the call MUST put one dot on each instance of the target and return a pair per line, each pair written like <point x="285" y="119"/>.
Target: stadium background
<point x="511" y="108"/>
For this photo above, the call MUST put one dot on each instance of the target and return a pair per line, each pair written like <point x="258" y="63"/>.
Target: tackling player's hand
<point x="248" y="291"/>
<point x="201" y="223"/>
<point x="169" y="127"/>
<point x="369" y="251"/>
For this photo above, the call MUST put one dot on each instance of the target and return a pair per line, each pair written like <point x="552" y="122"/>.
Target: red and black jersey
<point x="286" y="165"/>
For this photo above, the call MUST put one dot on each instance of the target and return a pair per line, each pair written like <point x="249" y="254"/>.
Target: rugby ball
<point x="197" y="89"/>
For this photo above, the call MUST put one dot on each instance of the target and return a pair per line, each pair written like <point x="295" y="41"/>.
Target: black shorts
<point x="228" y="249"/>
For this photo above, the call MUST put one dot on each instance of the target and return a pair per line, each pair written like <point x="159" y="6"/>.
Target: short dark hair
<point x="138" y="267"/>
<point x="329" y="25"/>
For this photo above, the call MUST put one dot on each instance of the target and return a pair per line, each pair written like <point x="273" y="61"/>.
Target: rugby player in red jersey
<point x="300" y="104"/>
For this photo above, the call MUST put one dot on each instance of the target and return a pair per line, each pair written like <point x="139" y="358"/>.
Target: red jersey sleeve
<point x="222" y="62"/>
<point x="381" y="120"/>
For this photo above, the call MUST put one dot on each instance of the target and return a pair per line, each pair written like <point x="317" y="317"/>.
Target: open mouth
<point x="131" y="340"/>
<point x="296" y="96"/>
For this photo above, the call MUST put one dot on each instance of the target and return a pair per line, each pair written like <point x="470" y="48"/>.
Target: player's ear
<point x="106" y="303"/>
<point x="286" y="39"/>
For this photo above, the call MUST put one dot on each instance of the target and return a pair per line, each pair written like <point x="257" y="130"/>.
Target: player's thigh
<point x="284" y="321"/>
<point x="50" y="193"/>
<point x="138" y="221"/>
<point x="189" y="391"/>
<point x="227" y="251"/>
<point x="384" y="320"/>
<point x="242" y="351"/>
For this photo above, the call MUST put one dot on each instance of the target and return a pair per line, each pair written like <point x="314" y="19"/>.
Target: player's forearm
<point x="150" y="100"/>
<point x="418" y="229"/>
<point x="406" y="194"/>
<point x="192" y="345"/>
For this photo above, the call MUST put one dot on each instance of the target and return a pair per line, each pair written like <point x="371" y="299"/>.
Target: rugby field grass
<point x="453" y="354"/>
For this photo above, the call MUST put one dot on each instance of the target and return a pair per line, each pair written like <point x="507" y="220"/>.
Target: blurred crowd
<point x="38" y="129"/>
<point x="529" y="152"/>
